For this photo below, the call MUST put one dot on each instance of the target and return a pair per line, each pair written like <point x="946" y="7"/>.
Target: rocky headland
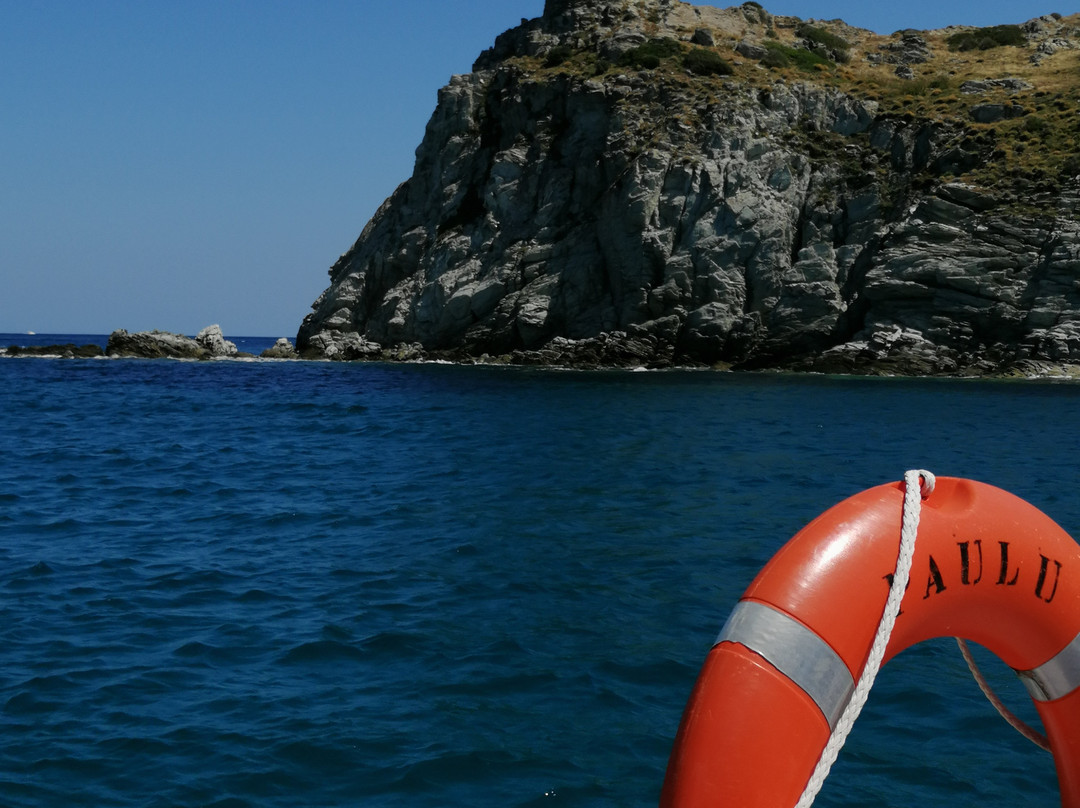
<point x="646" y="182"/>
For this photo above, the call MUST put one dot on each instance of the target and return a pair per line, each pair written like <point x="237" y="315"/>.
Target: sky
<point x="172" y="165"/>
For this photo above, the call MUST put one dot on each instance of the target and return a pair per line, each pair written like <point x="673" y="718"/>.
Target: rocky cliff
<point x="650" y="182"/>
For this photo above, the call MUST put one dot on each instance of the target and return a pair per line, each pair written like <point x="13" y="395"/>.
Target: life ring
<point x="988" y="567"/>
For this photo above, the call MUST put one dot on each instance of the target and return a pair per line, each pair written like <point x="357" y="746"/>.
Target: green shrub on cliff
<point x="706" y="63"/>
<point x="819" y="36"/>
<point x="825" y="44"/>
<point x="987" y="38"/>
<point x="1036" y="125"/>
<point x="781" y="56"/>
<point x="1070" y="167"/>
<point x="648" y="55"/>
<point x="557" y="55"/>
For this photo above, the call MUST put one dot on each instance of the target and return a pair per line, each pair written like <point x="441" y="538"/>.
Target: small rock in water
<point x="282" y="349"/>
<point x="214" y="341"/>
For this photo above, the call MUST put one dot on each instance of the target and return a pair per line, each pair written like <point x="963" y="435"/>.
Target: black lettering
<point x="1043" y="567"/>
<point x="965" y="562"/>
<point x="890" y="577"/>
<point x="934" y="580"/>
<point x="1004" y="574"/>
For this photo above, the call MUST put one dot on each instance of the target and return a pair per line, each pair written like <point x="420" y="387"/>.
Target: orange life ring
<point x="988" y="567"/>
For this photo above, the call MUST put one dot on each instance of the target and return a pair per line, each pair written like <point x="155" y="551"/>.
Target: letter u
<point x="1043" y="567"/>
<point x="965" y="562"/>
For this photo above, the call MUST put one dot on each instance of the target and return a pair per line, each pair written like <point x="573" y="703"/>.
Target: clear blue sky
<point x="168" y="164"/>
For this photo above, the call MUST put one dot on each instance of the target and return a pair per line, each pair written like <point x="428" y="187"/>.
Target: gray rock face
<point x="628" y="219"/>
<point x="208" y="344"/>
<point x="1048" y="35"/>
<point x="281" y="349"/>
<point x="992" y="113"/>
<point x="703" y="36"/>
<point x="154" y="345"/>
<point x="1011" y="84"/>
<point x="214" y="341"/>
<point x="910" y="49"/>
<point x="751" y="50"/>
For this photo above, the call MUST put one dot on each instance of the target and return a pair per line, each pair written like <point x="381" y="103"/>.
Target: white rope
<point x="1014" y="720"/>
<point x="918" y="484"/>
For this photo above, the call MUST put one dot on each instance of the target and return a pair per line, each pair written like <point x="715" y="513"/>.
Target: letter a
<point x="934" y="580"/>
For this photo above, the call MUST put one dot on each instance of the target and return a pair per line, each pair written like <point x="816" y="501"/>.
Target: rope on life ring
<point x="793" y="665"/>
<point x="1011" y="718"/>
<point x="918" y="484"/>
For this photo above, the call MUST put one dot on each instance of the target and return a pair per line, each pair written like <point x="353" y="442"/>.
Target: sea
<point x="285" y="583"/>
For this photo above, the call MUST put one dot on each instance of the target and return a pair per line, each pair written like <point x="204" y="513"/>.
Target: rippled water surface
<point x="310" y="584"/>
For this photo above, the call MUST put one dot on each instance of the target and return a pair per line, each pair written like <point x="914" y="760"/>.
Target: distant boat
<point x="30" y="333"/>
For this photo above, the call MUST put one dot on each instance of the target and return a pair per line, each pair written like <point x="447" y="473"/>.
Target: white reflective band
<point x="796" y="651"/>
<point x="1057" y="677"/>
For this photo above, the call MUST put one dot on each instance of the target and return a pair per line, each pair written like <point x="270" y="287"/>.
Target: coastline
<point x="262" y="349"/>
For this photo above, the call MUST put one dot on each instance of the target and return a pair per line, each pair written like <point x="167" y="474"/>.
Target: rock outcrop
<point x="281" y="349"/>
<point x="607" y="187"/>
<point x="214" y="341"/>
<point x="67" y="350"/>
<point x="208" y="344"/>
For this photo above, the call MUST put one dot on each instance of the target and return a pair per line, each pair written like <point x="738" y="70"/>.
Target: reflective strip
<point x="796" y="651"/>
<point x="1058" y="677"/>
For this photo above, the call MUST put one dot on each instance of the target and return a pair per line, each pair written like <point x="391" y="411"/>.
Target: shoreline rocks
<point x="67" y="350"/>
<point x="895" y="352"/>
<point x="282" y="349"/>
<point x="207" y="344"/>
<point x="214" y="341"/>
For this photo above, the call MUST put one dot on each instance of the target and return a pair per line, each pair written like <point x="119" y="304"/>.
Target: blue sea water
<point x="249" y="583"/>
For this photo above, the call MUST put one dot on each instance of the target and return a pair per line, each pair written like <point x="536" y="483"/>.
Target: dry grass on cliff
<point x="1041" y="143"/>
